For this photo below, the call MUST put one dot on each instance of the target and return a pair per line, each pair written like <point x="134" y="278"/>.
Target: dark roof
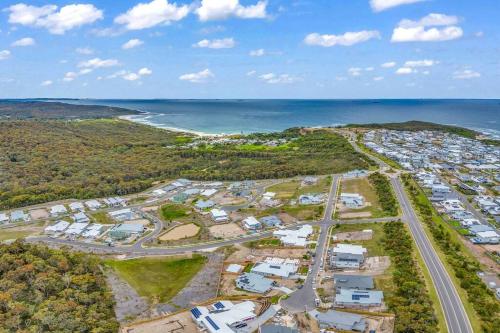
<point x="353" y="281"/>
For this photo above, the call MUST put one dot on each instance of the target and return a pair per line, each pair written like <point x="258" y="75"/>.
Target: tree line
<point x="386" y="198"/>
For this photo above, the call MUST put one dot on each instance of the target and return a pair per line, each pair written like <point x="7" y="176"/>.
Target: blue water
<point x="245" y="116"/>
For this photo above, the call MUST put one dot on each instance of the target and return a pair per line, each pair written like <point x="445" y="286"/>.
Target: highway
<point x="457" y="320"/>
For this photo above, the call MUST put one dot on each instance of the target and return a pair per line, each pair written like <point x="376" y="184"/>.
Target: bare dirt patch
<point x="39" y="214"/>
<point x="150" y="209"/>
<point x="178" y="323"/>
<point x="180" y="232"/>
<point x="227" y="230"/>
<point x="353" y="236"/>
<point x="354" y="215"/>
<point x="376" y="265"/>
<point x="138" y="221"/>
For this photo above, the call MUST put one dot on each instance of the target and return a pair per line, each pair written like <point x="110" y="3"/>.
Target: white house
<point x="58" y="210"/>
<point x="218" y="215"/>
<point x="208" y="192"/>
<point x="60" y="226"/>
<point x="76" y="229"/>
<point x="93" y="204"/>
<point x="76" y="207"/>
<point x="352" y="200"/>
<point x="251" y="223"/>
<point x="3" y="218"/>
<point x="294" y="237"/>
<point x="122" y="214"/>
<point x="80" y="218"/>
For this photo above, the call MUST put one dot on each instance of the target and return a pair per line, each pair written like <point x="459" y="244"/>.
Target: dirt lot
<point x="353" y="236"/>
<point x="380" y="324"/>
<point x="180" y="232"/>
<point x="245" y="254"/>
<point x="480" y="252"/>
<point x="178" y="323"/>
<point x="39" y="214"/>
<point x="138" y="221"/>
<point x="227" y="230"/>
<point x="354" y="215"/>
<point x="150" y="209"/>
<point x="376" y="265"/>
<point x="225" y="199"/>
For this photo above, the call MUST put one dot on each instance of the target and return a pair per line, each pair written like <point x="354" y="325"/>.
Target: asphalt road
<point x="457" y="320"/>
<point x="304" y="299"/>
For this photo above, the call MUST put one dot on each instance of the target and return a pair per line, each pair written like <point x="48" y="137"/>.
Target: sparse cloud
<point x="388" y="64"/>
<point x="466" y="74"/>
<point x="46" y="83"/>
<point x="347" y="39"/>
<point x="378" y="78"/>
<point x="272" y="78"/>
<point x="223" y="9"/>
<point x="84" y="51"/>
<point x="4" y="54"/>
<point x="355" y="71"/>
<point x="27" y="41"/>
<point x="381" y="5"/>
<point x="212" y="29"/>
<point x="98" y="63"/>
<point x="128" y="75"/>
<point x="418" y="31"/>
<point x="132" y="43"/>
<point x="148" y="15"/>
<point x="421" y="63"/>
<point x="225" y="43"/>
<point x="54" y="20"/>
<point x="257" y="53"/>
<point x="405" y="71"/>
<point x="198" y="77"/>
<point x="251" y="73"/>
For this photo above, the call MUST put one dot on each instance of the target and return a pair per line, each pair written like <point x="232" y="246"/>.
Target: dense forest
<point x="415" y="125"/>
<point x="44" y="290"/>
<point x="386" y="198"/>
<point x="45" y="160"/>
<point x="16" y="109"/>
<point x="410" y="302"/>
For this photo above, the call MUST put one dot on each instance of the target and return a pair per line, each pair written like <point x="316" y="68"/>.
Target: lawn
<point x="266" y="242"/>
<point x="102" y="218"/>
<point x="363" y="187"/>
<point x="6" y="234"/>
<point x="172" y="211"/>
<point x="374" y="246"/>
<point x="286" y="190"/>
<point x="158" y="279"/>
<point x="322" y="186"/>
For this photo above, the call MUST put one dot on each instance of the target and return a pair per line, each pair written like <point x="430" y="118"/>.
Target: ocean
<point x="247" y="116"/>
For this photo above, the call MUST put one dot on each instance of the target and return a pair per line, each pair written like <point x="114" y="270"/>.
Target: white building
<point x="59" y="227"/>
<point x="294" y="237"/>
<point x="352" y="200"/>
<point x="93" y="204"/>
<point x="76" y="229"/>
<point x="122" y="214"/>
<point x="280" y="267"/>
<point x="251" y="223"/>
<point x="93" y="231"/>
<point x="76" y="207"/>
<point x="3" y="218"/>
<point x="58" y="210"/>
<point x="223" y="316"/>
<point x="208" y="192"/>
<point x="218" y="215"/>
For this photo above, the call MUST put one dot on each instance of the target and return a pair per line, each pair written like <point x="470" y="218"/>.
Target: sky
<point x="250" y="49"/>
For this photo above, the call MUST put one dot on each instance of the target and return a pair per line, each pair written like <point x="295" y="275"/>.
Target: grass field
<point x="158" y="279"/>
<point x="6" y="234"/>
<point x="102" y="218"/>
<point x="374" y="246"/>
<point x="286" y="190"/>
<point x="363" y="187"/>
<point x="267" y="242"/>
<point x="171" y="212"/>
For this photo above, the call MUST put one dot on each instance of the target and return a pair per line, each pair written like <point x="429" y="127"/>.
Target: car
<point x="300" y="286"/>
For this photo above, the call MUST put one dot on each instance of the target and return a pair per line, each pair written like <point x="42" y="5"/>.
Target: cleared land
<point x="227" y="230"/>
<point x="52" y="159"/>
<point x="158" y="279"/>
<point x="180" y="232"/>
<point x="171" y="212"/>
<point x="363" y="187"/>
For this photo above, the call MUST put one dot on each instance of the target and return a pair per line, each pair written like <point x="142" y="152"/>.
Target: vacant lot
<point x="158" y="279"/>
<point x="373" y="245"/>
<point x="20" y="232"/>
<point x="286" y="190"/>
<point x="171" y="212"/>
<point x="363" y="187"/>
<point x="180" y="232"/>
<point x="227" y="230"/>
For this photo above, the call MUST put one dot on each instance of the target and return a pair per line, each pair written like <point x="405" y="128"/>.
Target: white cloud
<point x="417" y="31"/>
<point x="98" y="63"/>
<point x="405" y="71"/>
<point x="48" y="17"/>
<point x="378" y="78"/>
<point x="27" y="41"/>
<point x="225" y="43"/>
<point x="131" y="76"/>
<point x="347" y="39"/>
<point x="85" y="71"/>
<point x="84" y="50"/>
<point x="388" y="64"/>
<point x="145" y="71"/>
<point x="340" y="78"/>
<point x="380" y="5"/>
<point x="466" y="74"/>
<point x="421" y="63"/>
<point x="369" y="69"/>
<point x="272" y="78"/>
<point x="132" y="43"/>
<point x="70" y="76"/>
<point x="198" y="77"/>
<point x="147" y="15"/>
<point x="355" y="71"/>
<point x="479" y="34"/>
<point x="251" y="73"/>
<point x="4" y="54"/>
<point x="257" y="53"/>
<point x="223" y="9"/>
<point x="46" y="83"/>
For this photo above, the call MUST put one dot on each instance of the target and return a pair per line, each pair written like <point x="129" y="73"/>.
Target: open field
<point x="20" y="231"/>
<point x="158" y="279"/>
<point x="299" y="212"/>
<point x="227" y="230"/>
<point x="374" y="245"/>
<point x="285" y="190"/>
<point x="180" y="232"/>
<point x="171" y="212"/>
<point x="102" y="218"/>
<point x="363" y="187"/>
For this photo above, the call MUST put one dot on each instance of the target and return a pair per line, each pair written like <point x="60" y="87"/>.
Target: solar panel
<point x="214" y="325"/>
<point x="219" y="305"/>
<point x="196" y="312"/>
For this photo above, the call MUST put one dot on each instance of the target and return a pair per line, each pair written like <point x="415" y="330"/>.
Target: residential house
<point x="270" y="221"/>
<point x="76" y="207"/>
<point x="4" y="218"/>
<point x="255" y="283"/>
<point x="204" y="204"/>
<point x="223" y="316"/>
<point x="251" y="223"/>
<point x="347" y="256"/>
<point x="218" y="215"/>
<point x="353" y="298"/>
<point x="59" y="227"/>
<point x="341" y="321"/>
<point x="273" y="328"/>
<point x="349" y="281"/>
<point x="297" y="237"/>
<point x="279" y="267"/>
<point x="352" y="200"/>
<point x="80" y="218"/>
<point x="19" y="216"/>
<point x="58" y="210"/>
<point x="93" y="204"/>
<point x="311" y="199"/>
